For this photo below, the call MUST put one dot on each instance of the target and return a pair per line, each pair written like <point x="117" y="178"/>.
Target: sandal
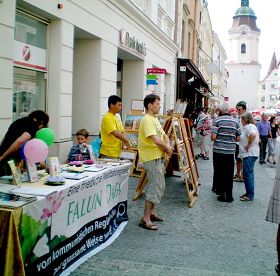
<point x="243" y="195"/>
<point x="246" y="198"/>
<point x="148" y="226"/>
<point x="155" y="217"/>
<point x="205" y="158"/>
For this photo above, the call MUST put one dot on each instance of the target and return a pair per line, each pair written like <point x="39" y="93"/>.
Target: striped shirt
<point x="227" y="129"/>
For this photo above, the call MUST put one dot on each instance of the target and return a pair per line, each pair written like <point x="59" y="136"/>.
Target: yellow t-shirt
<point x="147" y="149"/>
<point x="111" y="145"/>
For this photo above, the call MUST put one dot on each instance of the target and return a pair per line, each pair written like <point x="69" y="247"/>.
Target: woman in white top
<point x="249" y="151"/>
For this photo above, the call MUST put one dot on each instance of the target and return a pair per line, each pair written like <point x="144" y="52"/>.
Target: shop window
<point x="272" y="85"/>
<point x="243" y="48"/>
<point x="29" y="92"/>
<point x="31" y="31"/>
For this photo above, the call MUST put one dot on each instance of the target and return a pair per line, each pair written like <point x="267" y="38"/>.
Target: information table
<point x="47" y="236"/>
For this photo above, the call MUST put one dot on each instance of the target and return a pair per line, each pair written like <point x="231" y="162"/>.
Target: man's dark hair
<point x="151" y="98"/>
<point x="113" y="100"/>
<point x="242" y="104"/>
<point x="40" y="116"/>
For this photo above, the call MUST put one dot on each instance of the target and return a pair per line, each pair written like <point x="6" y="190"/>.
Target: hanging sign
<point x="151" y="77"/>
<point x="154" y="82"/>
<point x="156" y="71"/>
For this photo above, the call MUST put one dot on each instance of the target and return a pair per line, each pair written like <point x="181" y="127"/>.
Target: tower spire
<point x="273" y="65"/>
<point x="244" y="3"/>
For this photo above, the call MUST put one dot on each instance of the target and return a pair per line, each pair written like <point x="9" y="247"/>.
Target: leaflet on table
<point x="34" y="191"/>
<point x="95" y="168"/>
<point x="5" y="188"/>
<point x="76" y="176"/>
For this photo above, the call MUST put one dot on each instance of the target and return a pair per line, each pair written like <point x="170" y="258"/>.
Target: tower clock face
<point x="243" y="32"/>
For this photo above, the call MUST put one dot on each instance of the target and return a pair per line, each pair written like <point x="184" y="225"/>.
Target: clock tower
<point x="243" y="62"/>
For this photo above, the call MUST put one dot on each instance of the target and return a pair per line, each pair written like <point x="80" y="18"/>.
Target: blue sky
<point x="268" y="20"/>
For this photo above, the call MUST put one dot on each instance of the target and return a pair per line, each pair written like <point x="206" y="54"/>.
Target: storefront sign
<point x="131" y="42"/>
<point x="156" y="71"/>
<point x="27" y="55"/>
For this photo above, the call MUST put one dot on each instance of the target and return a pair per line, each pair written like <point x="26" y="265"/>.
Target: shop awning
<point x="191" y="71"/>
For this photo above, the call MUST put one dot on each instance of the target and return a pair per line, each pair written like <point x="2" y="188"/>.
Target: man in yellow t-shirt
<point x="153" y="148"/>
<point x="112" y="131"/>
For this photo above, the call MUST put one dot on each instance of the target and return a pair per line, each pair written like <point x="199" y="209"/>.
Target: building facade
<point x="243" y="64"/>
<point x="67" y="58"/>
<point x="269" y="92"/>
<point x="219" y="74"/>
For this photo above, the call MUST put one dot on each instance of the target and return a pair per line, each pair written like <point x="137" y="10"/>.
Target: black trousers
<point x="263" y="145"/>
<point x="223" y="174"/>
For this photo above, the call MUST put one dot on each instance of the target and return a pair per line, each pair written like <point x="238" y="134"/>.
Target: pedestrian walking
<point x="153" y="148"/>
<point x="225" y="133"/>
<point x="241" y="108"/>
<point x="264" y="132"/>
<point x="273" y="213"/>
<point x="249" y="152"/>
<point x="272" y="140"/>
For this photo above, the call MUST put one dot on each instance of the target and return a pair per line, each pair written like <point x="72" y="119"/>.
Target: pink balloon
<point x="35" y="150"/>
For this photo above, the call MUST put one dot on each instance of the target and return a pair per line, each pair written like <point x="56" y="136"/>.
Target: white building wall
<point x="243" y="84"/>
<point x="59" y="94"/>
<point x="88" y="84"/>
<point x="7" y="23"/>
<point x="271" y="91"/>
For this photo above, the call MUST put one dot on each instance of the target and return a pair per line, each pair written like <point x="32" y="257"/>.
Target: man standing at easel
<point x="153" y="148"/>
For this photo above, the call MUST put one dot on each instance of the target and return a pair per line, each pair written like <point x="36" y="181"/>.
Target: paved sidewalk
<point x="212" y="238"/>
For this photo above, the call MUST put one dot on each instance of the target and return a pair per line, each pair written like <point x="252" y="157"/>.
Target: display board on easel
<point x="178" y="132"/>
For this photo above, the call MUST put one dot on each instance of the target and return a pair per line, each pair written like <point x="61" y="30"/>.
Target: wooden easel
<point x="178" y="130"/>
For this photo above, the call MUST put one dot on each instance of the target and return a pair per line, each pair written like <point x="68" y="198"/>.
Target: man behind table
<point x="112" y="131"/>
<point x="153" y="148"/>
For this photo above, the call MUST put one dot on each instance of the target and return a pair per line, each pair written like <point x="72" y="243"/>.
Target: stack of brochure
<point x="11" y="200"/>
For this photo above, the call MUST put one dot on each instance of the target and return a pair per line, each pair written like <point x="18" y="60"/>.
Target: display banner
<point x="59" y="229"/>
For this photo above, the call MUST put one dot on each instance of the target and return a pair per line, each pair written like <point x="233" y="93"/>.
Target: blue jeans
<point x="248" y="175"/>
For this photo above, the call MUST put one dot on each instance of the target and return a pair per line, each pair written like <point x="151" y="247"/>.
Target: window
<point x="31" y="31"/>
<point x="29" y="92"/>
<point x="263" y="86"/>
<point x="272" y="85"/>
<point x="243" y="48"/>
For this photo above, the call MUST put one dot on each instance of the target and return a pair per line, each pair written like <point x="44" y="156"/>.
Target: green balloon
<point x="46" y="134"/>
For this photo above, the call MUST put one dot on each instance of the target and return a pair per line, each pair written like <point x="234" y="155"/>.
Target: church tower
<point x="243" y="63"/>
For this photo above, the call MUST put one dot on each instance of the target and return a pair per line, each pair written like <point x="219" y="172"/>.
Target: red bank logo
<point x="26" y="53"/>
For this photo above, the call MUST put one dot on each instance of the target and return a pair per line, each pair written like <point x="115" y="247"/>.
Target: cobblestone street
<point x="212" y="238"/>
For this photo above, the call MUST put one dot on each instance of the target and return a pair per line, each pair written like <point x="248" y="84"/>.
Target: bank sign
<point x="127" y="40"/>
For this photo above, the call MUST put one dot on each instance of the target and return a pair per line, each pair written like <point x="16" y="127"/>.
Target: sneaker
<point x="274" y="163"/>
<point x="238" y="179"/>
<point x="246" y="198"/>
